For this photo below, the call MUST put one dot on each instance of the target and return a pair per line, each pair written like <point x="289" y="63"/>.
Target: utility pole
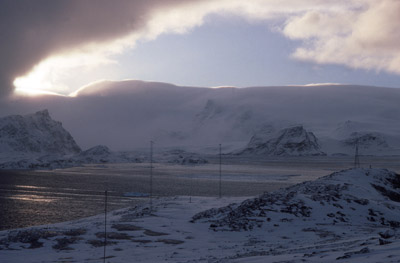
<point x="190" y="189"/>
<point x="356" y="157"/>
<point x="220" y="171"/>
<point x="105" y="225"/>
<point x="151" y="176"/>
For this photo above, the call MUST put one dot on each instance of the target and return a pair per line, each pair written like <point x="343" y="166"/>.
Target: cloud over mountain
<point x="35" y="30"/>
<point x="49" y="38"/>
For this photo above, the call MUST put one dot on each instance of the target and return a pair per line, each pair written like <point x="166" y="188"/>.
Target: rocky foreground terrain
<point x="352" y="197"/>
<point x="348" y="216"/>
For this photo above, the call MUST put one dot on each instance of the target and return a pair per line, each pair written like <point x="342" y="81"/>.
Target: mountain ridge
<point x="126" y="115"/>
<point x="35" y="134"/>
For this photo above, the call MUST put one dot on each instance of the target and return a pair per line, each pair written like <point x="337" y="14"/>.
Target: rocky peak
<point x="293" y="141"/>
<point x="261" y="136"/>
<point x="43" y="113"/>
<point x="36" y="134"/>
<point x="99" y="150"/>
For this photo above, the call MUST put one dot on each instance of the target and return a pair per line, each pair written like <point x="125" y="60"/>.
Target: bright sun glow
<point x="37" y="82"/>
<point x="59" y="75"/>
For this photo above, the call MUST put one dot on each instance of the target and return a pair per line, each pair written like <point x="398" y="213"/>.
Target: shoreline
<point x="167" y="235"/>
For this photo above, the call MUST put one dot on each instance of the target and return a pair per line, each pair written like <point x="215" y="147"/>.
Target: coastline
<point x="167" y="235"/>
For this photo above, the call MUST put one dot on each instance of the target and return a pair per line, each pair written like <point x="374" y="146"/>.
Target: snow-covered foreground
<point x="348" y="216"/>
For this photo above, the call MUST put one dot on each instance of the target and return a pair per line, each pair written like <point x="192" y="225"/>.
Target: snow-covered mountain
<point x="293" y="141"/>
<point x="102" y="154"/>
<point x="35" y="134"/>
<point x="126" y="115"/>
<point x="355" y="197"/>
<point x="36" y="141"/>
<point x="96" y="154"/>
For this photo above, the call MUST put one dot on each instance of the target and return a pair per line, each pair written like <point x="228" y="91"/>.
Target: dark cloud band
<point x="32" y="30"/>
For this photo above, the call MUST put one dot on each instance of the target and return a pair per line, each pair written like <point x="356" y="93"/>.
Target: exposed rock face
<point x="36" y="141"/>
<point x="102" y="154"/>
<point x="36" y="134"/>
<point x="294" y="141"/>
<point x="96" y="154"/>
<point x="353" y="197"/>
<point x="99" y="150"/>
<point x="262" y="135"/>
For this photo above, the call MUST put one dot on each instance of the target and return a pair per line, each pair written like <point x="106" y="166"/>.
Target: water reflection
<point x="40" y="197"/>
<point x="30" y="198"/>
<point x="35" y="198"/>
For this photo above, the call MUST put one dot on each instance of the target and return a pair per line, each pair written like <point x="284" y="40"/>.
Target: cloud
<point x="55" y="39"/>
<point x="32" y="31"/>
<point x="365" y="37"/>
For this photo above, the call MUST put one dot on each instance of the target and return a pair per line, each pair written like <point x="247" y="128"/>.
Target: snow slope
<point x="293" y="141"/>
<point x="337" y="218"/>
<point x="102" y="154"/>
<point x="36" y="134"/>
<point x="36" y="141"/>
<point x="96" y="155"/>
<point x="352" y="197"/>
<point x="126" y="115"/>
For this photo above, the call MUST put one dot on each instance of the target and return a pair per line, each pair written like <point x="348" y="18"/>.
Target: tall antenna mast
<point x="151" y="176"/>
<point x="356" y="157"/>
<point x="220" y="172"/>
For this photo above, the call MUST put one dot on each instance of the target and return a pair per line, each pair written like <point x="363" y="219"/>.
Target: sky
<point x="59" y="46"/>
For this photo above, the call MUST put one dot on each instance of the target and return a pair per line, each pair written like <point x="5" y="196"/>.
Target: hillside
<point x="348" y="216"/>
<point x="293" y="141"/>
<point x="35" y="134"/>
<point x="126" y="115"/>
<point x="355" y="197"/>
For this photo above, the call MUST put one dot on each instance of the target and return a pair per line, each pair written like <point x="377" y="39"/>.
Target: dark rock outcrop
<point x="362" y="197"/>
<point x="36" y="134"/>
<point x="294" y="141"/>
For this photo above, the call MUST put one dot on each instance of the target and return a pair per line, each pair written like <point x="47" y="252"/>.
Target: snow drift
<point x="355" y="197"/>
